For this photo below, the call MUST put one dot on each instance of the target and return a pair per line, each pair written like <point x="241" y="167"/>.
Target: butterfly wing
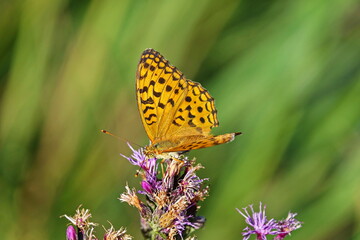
<point x="196" y="114"/>
<point x="169" y="104"/>
<point x="176" y="112"/>
<point x="155" y="76"/>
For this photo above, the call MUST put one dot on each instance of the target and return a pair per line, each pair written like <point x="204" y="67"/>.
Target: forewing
<point x="160" y="89"/>
<point x="171" y="106"/>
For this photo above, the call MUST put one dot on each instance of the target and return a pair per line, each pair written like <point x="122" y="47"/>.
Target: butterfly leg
<point x="172" y="158"/>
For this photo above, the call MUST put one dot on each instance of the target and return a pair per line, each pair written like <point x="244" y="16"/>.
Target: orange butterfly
<point x="177" y="113"/>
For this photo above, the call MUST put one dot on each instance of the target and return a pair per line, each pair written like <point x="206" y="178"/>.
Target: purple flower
<point x="137" y="158"/>
<point x="148" y="165"/>
<point x="146" y="186"/>
<point x="172" y="191"/>
<point x="71" y="233"/>
<point x="191" y="183"/>
<point x="258" y="224"/>
<point x="261" y="227"/>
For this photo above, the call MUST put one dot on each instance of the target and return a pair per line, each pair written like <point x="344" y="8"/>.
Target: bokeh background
<point x="286" y="73"/>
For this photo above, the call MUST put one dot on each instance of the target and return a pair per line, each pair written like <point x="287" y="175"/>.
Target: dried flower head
<point x="81" y="219"/>
<point x="85" y="228"/>
<point x="113" y="234"/>
<point x="286" y="226"/>
<point x="172" y="191"/>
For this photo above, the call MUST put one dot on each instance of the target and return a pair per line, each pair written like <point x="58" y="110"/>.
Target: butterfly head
<point x="150" y="151"/>
<point x="154" y="150"/>
<point x="158" y="149"/>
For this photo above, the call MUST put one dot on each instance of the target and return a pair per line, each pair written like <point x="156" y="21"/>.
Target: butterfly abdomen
<point x="193" y="142"/>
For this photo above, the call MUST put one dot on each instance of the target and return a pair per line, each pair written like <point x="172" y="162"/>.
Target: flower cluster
<point x="168" y="204"/>
<point x="171" y="191"/>
<point x="260" y="226"/>
<point x="85" y="228"/>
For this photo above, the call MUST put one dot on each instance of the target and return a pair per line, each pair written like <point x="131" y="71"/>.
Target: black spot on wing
<point x="161" y="80"/>
<point x="191" y="124"/>
<point x="144" y="76"/>
<point x="209" y="119"/>
<point x="147" y="101"/>
<point x="168" y="88"/>
<point x="147" y="108"/>
<point x="150" y="116"/>
<point x="156" y="94"/>
<point x="181" y="86"/>
<point x="144" y="89"/>
<point x="175" y="123"/>
<point x="180" y="117"/>
<point x="171" y="101"/>
<point x="161" y="105"/>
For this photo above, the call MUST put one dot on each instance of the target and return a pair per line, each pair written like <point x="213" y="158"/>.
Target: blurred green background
<point x="286" y="73"/>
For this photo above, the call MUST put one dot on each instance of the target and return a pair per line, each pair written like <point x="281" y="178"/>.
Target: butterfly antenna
<point x="122" y="139"/>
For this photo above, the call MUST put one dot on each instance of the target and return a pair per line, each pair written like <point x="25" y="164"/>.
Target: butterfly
<point x="177" y="113"/>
